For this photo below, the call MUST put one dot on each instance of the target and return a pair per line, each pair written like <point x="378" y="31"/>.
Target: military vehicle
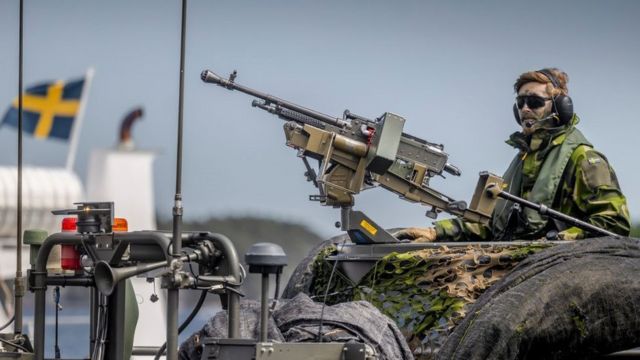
<point x="513" y="285"/>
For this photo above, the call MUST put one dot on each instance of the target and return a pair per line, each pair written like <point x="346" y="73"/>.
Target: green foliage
<point x="635" y="231"/>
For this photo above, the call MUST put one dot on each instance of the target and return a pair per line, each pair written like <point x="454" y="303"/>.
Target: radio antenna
<point x="19" y="285"/>
<point x="172" y="292"/>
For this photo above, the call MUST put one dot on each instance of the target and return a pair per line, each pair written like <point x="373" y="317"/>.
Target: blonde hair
<point x="536" y="76"/>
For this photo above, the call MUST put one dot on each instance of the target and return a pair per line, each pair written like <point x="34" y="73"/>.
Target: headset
<point x="562" y="104"/>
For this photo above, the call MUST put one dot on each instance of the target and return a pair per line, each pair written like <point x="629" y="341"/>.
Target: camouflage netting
<point x="425" y="292"/>
<point x="304" y="273"/>
<point x="574" y="301"/>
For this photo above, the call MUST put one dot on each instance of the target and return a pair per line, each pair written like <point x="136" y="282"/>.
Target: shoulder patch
<point x="594" y="160"/>
<point x="595" y="170"/>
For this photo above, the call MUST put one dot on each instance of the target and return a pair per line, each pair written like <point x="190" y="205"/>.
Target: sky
<point x="447" y="67"/>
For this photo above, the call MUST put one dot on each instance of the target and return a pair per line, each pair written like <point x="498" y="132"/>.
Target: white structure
<point x="126" y="178"/>
<point x="43" y="189"/>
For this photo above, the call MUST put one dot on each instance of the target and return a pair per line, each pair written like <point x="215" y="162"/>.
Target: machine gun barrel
<point x="209" y="76"/>
<point x="288" y="115"/>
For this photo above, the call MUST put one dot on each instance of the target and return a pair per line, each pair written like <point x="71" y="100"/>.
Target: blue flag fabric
<point x="49" y="109"/>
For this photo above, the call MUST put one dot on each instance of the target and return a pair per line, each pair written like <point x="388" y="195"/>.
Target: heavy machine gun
<point x="356" y="153"/>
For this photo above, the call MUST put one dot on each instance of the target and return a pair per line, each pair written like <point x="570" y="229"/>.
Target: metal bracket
<point x="320" y="198"/>
<point x="433" y="213"/>
<point x="363" y="230"/>
<point x="219" y="349"/>
<point x="104" y="242"/>
<point x="459" y="205"/>
<point x="354" y="351"/>
<point x="310" y="174"/>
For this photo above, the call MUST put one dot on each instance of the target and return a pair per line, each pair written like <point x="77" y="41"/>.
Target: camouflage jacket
<point x="588" y="190"/>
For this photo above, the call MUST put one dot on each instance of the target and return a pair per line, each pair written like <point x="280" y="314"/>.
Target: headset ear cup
<point x="516" y="113"/>
<point x="564" y="108"/>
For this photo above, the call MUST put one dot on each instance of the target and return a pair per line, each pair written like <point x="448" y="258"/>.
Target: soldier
<point x="555" y="166"/>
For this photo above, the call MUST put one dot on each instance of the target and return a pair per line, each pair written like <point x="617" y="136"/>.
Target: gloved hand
<point x="572" y="233"/>
<point x="416" y="234"/>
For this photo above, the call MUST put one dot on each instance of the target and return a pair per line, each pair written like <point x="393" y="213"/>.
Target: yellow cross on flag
<point x="49" y="109"/>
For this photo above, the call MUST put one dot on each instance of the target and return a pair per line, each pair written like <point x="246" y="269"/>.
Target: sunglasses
<point x="532" y="101"/>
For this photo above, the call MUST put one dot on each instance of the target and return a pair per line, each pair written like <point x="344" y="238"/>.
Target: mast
<point x="173" y="295"/>
<point x="19" y="284"/>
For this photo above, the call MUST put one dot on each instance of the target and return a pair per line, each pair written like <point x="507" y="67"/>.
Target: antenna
<point x="172" y="291"/>
<point x="19" y="285"/>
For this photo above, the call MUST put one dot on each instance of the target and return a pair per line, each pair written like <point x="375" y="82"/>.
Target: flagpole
<point x="73" y="144"/>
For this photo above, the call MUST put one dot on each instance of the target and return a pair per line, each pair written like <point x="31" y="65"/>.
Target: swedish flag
<point x="49" y="109"/>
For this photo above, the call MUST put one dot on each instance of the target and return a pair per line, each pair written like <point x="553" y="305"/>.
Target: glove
<point x="572" y="233"/>
<point x="417" y="234"/>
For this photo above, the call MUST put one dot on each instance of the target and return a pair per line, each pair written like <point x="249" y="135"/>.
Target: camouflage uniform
<point x="560" y="169"/>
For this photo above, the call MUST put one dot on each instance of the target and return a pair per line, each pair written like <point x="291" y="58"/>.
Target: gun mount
<point x="355" y="153"/>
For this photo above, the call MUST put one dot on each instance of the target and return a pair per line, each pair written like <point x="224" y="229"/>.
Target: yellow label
<point x="370" y="228"/>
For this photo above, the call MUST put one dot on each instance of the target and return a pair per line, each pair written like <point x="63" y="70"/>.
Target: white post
<point x="77" y="123"/>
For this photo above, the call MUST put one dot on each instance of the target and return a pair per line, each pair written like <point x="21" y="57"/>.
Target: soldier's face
<point x="530" y="115"/>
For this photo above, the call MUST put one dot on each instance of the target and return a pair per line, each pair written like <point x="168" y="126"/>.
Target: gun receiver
<point x="356" y="153"/>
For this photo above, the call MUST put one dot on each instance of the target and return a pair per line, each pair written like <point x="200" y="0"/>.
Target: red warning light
<point x="69" y="258"/>
<point x="69" y="255"/>
<point x="69" y="224"/>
